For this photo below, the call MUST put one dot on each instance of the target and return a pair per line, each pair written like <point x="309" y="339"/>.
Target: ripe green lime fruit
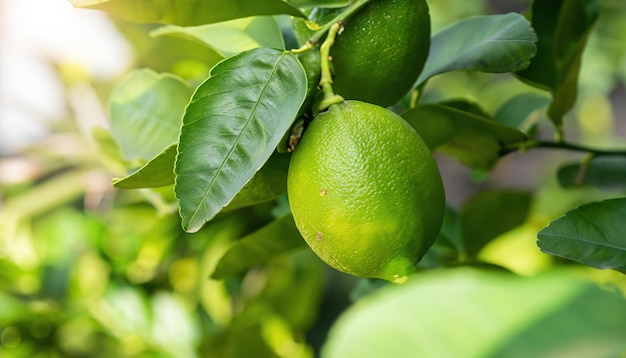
<point x="381" y="51"/>
<point x="365" y="191"/>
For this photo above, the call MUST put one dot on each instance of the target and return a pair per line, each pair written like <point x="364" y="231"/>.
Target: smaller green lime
<point x="381" y="51"/>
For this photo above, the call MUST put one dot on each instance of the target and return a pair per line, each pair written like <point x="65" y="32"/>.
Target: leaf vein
<point x="232" y="148"/>
<point x="580" y="239"/>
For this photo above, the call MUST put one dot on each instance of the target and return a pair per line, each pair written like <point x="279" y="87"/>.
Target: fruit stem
<point x="326" y="80"/>
<point x="356" y="5"/>
<point x="304" y="48"/>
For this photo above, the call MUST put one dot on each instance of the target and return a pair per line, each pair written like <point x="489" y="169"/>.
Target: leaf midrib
<point x="232" y="148"/>
<point x="561" y="236"/>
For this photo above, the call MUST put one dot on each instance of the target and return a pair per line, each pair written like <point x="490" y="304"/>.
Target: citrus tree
<point x="274" y="148"/>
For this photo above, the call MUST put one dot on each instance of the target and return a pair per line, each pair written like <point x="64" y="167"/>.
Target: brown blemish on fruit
<point x="319" y="235"/>
<point x="323" y="192"/>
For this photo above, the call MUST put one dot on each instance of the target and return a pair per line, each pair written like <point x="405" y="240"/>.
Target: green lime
<point x="381" y="51"/>
<point x="365" y="191"/>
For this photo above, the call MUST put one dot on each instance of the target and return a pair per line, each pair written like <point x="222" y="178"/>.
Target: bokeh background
<point x="90" y="271"/>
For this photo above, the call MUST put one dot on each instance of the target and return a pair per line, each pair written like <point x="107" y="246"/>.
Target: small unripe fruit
<point x="381" y="51"/>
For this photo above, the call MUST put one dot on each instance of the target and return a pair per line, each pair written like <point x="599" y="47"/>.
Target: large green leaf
<point x="232" y="125"/>
<point x="602" y="172"/>
<point x="490" y="43"/>
<point x="477" y="216"/>
<point x="231" y="37"/>
<point x="278" y="237"/>
<point x="159" y="171"/>
<point x="146" y="112"/>
<point x="475" y="141"/>
<point x="562" y="27"/>
<point x="188" y="12"/>
<point x="592" y="234"/>
<point x="471" y="313"/>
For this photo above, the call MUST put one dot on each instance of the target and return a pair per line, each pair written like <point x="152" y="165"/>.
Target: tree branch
<point x="561" y="145"/>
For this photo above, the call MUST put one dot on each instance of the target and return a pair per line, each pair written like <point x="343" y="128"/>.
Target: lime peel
<point x="365" y="191"/>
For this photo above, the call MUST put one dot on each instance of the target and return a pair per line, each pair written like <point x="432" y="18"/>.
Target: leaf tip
<point x="192" y="226"/>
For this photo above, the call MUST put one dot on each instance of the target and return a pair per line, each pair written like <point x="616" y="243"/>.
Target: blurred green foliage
<point x="87" y="270"/>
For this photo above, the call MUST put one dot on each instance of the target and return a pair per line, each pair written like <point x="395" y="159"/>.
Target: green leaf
<point x="231" y="37"/>
<point x="592" y="234"/>
<point x="269" y="183"/>
<point x="607" y="173"/>
<point x="491" y="43"/>
<point x="159" y="171"/>
<point x="473" y="140"/>
<point x="294" y="288"/>
<point x="232" y="125"/>
<point x="190" y="12"/>
<point x="562" y="27"/>
<point x="510" y="208"/>
<point x="587" y="322"/>
<point x="466" y="106"/>
<point x="278" y="237"/>
<point x="451" y="234"/>
<point x="188" y="59"/>
<point x="522" y="112"/>
<point x="146" y="112"/>
<point x="311" y="61"/>
<point x="319" y="3"/>
<point x="449" y="244"/>
<point x="471" y="313"/>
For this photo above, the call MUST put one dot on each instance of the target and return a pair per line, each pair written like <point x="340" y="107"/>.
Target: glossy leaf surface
<point x="491" y="43"/>
<point x="473" y="140"/>
<point x="159" y="171"/>
<point x="592" y="234"/>
<point x="231" y="127"/>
